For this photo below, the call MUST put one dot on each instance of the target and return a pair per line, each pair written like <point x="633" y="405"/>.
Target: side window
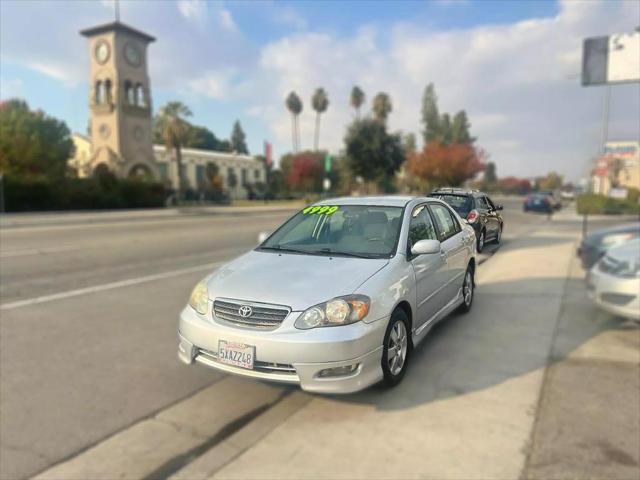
<point x="482" y="203"/>
<point x="421" y="226"/>
<point x="490" y="203"/>
<point x="444" y="221"/>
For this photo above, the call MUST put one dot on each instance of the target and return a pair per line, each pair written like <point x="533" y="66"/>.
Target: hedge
<point x="599" y="204"/>
<point x="39" y="194"/>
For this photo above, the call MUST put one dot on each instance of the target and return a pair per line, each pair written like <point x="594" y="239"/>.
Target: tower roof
<point x="117" y="27"/>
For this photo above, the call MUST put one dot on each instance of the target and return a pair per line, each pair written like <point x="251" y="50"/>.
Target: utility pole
<point x="117" y="9"/>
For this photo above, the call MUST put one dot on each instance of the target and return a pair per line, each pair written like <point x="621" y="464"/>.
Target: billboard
<point x="612" y="59"/>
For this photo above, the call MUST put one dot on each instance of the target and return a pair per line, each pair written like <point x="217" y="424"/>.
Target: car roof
<point x="456" y="191"/>
<point x="380" y="201"/>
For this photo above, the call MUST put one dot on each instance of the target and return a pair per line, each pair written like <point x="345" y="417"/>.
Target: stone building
<point x="121" y="134"/>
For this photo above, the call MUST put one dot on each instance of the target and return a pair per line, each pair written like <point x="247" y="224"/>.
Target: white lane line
<point x="106" y="286"/>
<point x="36" y="251"/>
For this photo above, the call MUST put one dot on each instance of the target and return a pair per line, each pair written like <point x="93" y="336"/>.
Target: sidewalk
<point x="466" y="408"/>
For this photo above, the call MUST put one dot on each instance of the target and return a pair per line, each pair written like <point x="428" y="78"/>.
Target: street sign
<point x="610" y="60"/>
<point x="327" y="163"/>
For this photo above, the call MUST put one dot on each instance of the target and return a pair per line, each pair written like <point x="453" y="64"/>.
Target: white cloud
<point x="195" y="10"/>
<point x="514" y="80"/>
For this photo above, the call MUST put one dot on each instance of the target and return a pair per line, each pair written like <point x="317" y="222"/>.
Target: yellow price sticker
<point x="320" y="209"/>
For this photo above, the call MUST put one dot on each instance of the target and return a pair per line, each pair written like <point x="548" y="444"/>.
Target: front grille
<point x="263" y="316"/>
<point x="617" y="298"/>
<point x="264" y="367"/>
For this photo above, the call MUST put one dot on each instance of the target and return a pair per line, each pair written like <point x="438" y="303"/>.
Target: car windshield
<point x="365" y="231"/>
<point x="460" y="203"/>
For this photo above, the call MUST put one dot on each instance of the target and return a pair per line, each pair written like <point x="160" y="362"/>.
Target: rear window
<point x="460" y="203"/>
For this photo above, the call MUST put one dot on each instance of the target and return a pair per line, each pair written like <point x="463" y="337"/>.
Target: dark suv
<point x="479" y="211"/>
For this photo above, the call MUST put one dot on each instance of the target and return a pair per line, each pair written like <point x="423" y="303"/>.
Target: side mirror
<point x="425" y="247"/>
<point x="262" y="236"/>
<point x="499" y="207"/>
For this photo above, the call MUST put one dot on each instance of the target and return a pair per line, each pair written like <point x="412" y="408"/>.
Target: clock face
<point x="132" y="54"/>
<point x="102" y="51"/>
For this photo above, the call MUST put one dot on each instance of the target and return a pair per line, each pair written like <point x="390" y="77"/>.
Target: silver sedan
<point x="337" y="297"/>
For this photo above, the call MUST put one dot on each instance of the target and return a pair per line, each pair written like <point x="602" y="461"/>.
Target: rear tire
<point x="480" y="242"/>
<point x="396" y="349"/>
<point x="468" y="290"/>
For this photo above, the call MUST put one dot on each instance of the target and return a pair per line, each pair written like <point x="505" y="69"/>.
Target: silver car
<point x="336" y="298"/>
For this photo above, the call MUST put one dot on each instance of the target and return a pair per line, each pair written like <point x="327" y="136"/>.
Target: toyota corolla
<point x="337" y="297"/>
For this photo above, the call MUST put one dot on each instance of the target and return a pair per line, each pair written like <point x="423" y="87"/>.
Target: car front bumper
<point x="290" y="355"/>
<point x="616" y="295"/>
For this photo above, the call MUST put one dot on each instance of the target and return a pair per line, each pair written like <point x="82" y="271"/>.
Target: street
<point x="88" y="349"/>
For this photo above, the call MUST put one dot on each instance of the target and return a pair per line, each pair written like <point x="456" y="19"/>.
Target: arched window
<point x="99" y="93"/>
<point x="129" y="93"/>
<point x="108" y="98"/>
<point x="142" y="101"/>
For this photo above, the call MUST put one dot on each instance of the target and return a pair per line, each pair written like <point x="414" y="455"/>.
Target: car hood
<point x="296" y="280"/>
<point x="596" y="238"/>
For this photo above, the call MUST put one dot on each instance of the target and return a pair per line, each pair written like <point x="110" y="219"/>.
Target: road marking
<point x="106" y="286"/>
<point x="36" y="251"/>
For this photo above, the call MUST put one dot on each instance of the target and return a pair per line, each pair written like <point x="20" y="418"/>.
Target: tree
<point x="551" y="181"/>
<point x="445" y="129"/>
<point x="430" y="115"/>
<point x="409" y="142"/>
<point x="371" y="152"/>
<point x="294" y="105"/>
<point x="238" y="138"/>
<point x="490" y="176"/>
<point x="357" y="100"/>
<point x="32" y="143"/>
<point x="460" y="128"/>
<point x="174" y="130"/>
<point x="304" y="173"/>
<point x="382" y="107"/>
<point x="320" y="103"/>
<point x="446" y="165"/>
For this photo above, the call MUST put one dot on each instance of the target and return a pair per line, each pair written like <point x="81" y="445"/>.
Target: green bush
<point x="599" y="204"/>
<point x="39" y="194"/>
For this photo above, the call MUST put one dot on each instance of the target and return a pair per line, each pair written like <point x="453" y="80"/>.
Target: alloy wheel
<point x="467" y="288"/>
<point x="397" y="348"/>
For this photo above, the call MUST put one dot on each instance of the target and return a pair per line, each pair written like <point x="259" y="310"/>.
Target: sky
<point x="514" y="66"/>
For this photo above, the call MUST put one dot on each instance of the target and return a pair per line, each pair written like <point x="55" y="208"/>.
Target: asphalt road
<point x="88" y="323"/>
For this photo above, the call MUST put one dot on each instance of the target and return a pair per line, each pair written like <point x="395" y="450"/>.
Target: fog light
<point x="338" y="371"/>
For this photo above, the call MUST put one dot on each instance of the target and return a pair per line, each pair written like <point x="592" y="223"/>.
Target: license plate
<point x="236" y="354"/>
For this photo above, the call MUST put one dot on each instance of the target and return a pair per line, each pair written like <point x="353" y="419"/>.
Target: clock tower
<point x="120" y="101"/>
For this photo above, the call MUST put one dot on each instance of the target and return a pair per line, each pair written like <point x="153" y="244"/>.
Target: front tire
<point x="396" y="348"/>
<point x="498" y="238"/>
<point x="468" y="290"/>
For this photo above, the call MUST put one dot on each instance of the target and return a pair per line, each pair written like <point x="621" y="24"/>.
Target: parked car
<point x="596" y="244"/>
<point x="568" y="195"/>
<point x="538" y="203"/>
<point x="336" y="298"/>
<point x="478" y="210"/>
<point x="614" y="282"/>
<point x="554" y="198"/>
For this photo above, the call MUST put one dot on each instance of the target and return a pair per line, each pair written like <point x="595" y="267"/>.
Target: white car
<point x="614" y="282"/>
<point x="335" y="299"/>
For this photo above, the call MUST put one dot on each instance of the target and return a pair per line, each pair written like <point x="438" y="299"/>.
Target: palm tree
<point x="319" y="102"/>
<point x="174" y="129"/>
<point x="357" y="99"/>
<point x="294" y="105"/>
<point x="382" y="107"/>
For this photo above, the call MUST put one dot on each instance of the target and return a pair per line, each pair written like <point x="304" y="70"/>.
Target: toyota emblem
<point x="245" y="311"/>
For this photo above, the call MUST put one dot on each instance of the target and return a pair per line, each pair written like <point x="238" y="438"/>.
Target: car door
<point x="455" y="247"/>
<point x="431" y="271"/>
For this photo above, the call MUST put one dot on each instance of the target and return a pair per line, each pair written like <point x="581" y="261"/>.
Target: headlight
<point x="199" y="299"/>
<point x="338" y="311"/>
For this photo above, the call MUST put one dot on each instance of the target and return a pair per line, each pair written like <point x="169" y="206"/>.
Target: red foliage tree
<point x="513" y="185"/>
<point x="305" y="172"/>
<point x="440" y="164"/>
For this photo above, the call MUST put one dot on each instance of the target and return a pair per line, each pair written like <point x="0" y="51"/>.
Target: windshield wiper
<point x="278" y="248"/>
<point x="349" y="254"/>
